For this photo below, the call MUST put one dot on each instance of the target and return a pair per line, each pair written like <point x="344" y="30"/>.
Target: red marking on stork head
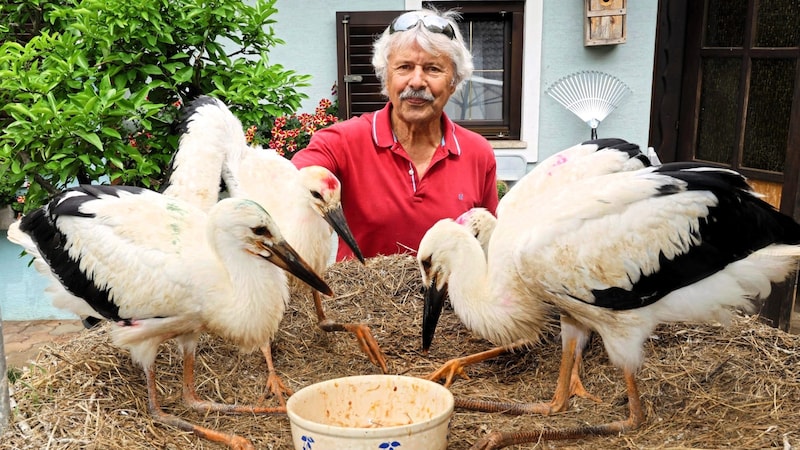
<point x="332" y="182"/>
<point x="464" y="217"/>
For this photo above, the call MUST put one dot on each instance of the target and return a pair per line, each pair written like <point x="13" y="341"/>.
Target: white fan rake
<point x="590" y="95"/>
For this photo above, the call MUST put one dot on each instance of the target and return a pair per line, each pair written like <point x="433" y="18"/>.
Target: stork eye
<point x="260" y="231"/>
<point x="316" y="195"/>
<point x="426" y="264"/>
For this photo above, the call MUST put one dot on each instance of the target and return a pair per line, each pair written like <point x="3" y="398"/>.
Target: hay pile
<point x="702" y="386"/>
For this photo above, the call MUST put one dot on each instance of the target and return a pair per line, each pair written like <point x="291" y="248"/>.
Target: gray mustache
<point x="421" y="94"/>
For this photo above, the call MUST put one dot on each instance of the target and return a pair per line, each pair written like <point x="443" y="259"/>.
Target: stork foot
<point x="635" y="419"/>
<point x="449" y="371"/>
<point x="454" y="367"/>
<point x="278" y="389"/>
<point x="231" y="440"/>
<point x="576" y="389"/>
<point x="363" y="335"/>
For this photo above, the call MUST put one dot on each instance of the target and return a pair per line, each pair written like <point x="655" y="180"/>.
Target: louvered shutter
<point x="359" y="88"/>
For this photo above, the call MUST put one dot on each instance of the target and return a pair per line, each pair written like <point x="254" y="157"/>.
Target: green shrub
<point x="89" y="88"/>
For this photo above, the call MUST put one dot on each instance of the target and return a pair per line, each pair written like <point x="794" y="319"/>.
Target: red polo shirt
<point x="387" y="206"/>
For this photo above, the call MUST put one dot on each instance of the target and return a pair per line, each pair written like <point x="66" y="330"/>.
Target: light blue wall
<point x="563" y="53"/>
<point x="22" y="295"/>
<point x="309" y="29"/>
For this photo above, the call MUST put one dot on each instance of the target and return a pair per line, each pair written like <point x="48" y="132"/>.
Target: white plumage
<point x="160" y="268"/>
<point x="586" y="160"/>
<point x="617" y="254"/>
<point x="194" y="172"/>
<point x="305" y="203"/>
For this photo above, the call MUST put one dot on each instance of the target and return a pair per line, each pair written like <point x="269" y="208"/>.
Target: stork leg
<point x="191" y="398"/>
<point x="363" y="335"/>
<point x="573" y="339"/>
<point x="455" y="367"/>
<point x="274" y="382"/>
<point x="635" y="418"/>
<point x="231" y="440"/>
<point x="575" y="384"/>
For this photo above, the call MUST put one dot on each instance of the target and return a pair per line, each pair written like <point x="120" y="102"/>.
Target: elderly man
<point x="408" y="165"/>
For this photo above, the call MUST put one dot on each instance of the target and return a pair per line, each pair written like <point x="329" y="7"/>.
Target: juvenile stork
<point x="305" y="203"/>
<point x="588" y="159"/>
<point x="161" y="269"/>
<point x="618" y="254"/>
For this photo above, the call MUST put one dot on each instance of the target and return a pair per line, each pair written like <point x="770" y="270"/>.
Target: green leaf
<point x="91" y="138"/>
<point x="17" y="110"/>
<point x="107" y="69"/>
<point x="151" y="70"/>
<point x="111" y="132"/>
<point x="81" y="60"/>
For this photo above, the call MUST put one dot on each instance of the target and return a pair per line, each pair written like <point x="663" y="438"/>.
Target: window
<point x="741" y="85"/>
<point x="489" y="103"/>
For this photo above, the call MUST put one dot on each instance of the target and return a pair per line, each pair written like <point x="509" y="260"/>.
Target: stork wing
<point x="619" y="241"/>
<point x="135" y="243"/>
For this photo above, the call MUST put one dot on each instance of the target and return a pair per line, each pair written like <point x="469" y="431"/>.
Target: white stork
<point x="305" y="203"/>
<point x="161" y="269"/>
<point x="588" y="159"/>
<point x="618" y="254"/>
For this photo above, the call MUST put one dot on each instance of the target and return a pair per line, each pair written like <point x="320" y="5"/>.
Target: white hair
<point x="434" y="43"/>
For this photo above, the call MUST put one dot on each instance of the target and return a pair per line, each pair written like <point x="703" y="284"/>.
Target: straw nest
<point x="702" y="386"/>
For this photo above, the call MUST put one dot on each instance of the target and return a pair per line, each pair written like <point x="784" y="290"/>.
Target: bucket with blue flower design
<point x="371" y="412"/>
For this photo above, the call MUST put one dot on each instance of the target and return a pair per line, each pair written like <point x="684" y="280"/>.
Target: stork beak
<point x="284" y="256"/>
<point x="335" y="218"/>
<point x="434" y="302"/>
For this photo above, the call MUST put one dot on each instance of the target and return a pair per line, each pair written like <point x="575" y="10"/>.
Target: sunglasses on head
<point x="432" y="23"/>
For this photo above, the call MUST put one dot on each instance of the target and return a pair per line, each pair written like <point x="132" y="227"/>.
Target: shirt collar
<point x="382" y="134"/>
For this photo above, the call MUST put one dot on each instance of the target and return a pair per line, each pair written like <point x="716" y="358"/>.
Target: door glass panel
<point x="769" y="108"/>
<point x="481" y="97"/>
<point x="725" y="23"/>
<point x="716" y="127"/>
<point x="778" y="24"/>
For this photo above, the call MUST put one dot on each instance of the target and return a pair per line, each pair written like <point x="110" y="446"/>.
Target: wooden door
<point x="726" y="90"/>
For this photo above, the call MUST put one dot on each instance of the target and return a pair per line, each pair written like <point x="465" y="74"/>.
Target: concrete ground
<point x="23" y="339"/>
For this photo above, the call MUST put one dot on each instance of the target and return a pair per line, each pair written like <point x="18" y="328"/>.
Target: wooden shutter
<point x="359" y="88"/>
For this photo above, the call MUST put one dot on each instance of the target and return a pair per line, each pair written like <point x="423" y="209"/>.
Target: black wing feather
<point x="42" y="226"/>
<point x="740" y="224"/>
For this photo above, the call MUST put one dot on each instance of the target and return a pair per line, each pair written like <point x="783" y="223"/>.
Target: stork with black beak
<point x="161" y="269"/>
<point x="588" y="159"/>
<point x="618" y="254"/>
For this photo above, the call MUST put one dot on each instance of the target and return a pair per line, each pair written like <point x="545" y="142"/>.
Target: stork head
<point x="434" y="257"/>
<point x="238" y="223"/>
<point x="481" y="223"/>
<point x="325" y="197"/>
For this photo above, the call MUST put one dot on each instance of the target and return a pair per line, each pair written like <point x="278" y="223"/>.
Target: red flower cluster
<point x="289" y="134"/>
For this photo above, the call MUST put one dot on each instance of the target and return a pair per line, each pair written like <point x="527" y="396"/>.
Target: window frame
<point x="354" y="98"/>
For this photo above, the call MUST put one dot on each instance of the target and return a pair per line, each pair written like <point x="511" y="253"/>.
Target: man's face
<point x="412" y="69"/>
